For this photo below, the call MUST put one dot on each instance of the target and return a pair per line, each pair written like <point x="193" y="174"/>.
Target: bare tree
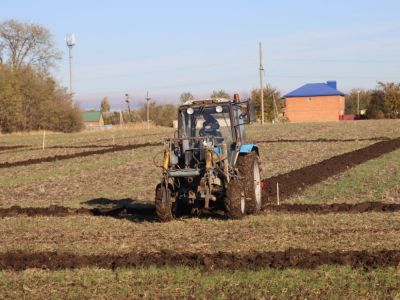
<point x="186" y="97"/>
<point x="220" y="94"/>
<point x="27" y="44"/>
<point x="105" y="105"/>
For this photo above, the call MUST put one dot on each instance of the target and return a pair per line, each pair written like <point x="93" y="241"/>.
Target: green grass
<point x="131" y="174"/>
<point x="327" y="282"/>
<point x="265" y="232"/>
<point x="374" y="180"/>
<point x="59" y="168"/>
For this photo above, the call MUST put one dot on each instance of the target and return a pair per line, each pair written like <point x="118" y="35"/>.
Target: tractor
<point x="208" y="165"/>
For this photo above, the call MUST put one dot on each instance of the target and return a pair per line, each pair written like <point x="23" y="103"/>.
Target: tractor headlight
<point x="174" y="158"/>
<point x="177" y="151"/>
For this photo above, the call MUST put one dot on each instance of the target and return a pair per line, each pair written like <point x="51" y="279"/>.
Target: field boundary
<point x="147" y="210"/>
<point x="323" y="140"/>
<point x="291" y="258"/>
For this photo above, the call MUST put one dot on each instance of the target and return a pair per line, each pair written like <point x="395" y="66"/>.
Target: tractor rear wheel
<point x="235" y="201"/>
<point x="164" y="203"/>
<point x="249" y="169"/>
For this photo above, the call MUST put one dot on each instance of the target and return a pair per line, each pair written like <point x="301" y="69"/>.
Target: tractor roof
<point x="206" y="101"/>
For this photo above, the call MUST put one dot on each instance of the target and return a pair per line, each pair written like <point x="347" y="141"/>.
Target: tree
<point x="391" y="92"/>
<point x="186" y="97"/>
<point x="105" y="105"/>
<point x="30" y="99"/>
<point x="160" y="114"/>
<point x="270" y="93"/>
<point x="27" y="44"/>
<point x="376" y="107"/>
<point x="352" y="99"/>
<point x="220" y="94"/>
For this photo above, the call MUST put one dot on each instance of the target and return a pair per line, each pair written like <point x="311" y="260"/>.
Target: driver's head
<point x="209" y="118"/>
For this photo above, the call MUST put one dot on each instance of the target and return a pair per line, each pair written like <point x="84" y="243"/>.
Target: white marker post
<point x="44" y="139"/>
<point x="277" y="194"/>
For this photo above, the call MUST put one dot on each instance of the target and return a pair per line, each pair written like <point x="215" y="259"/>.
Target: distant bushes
<point x="30" y="99"/>
<point x="160" y="114"/>
<point x="380" y="103"/>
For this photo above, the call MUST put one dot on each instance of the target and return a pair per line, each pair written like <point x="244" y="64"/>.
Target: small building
<point x="92" y="118"/>
<point x="315" y="102"/>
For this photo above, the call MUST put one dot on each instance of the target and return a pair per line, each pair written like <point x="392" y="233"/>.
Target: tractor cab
<point x="221" y="120"/>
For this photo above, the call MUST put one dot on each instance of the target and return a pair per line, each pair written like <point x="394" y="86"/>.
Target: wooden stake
<point x="44" y="139"/>
<point x="277" y="194"/>
<point x="113" y="140"/>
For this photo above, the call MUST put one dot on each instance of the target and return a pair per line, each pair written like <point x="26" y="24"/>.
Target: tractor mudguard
<point x="248" y="148"/>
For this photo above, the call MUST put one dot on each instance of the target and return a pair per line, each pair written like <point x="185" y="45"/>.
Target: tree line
<point x="30" y="97"/>
<point x="379" y="103"/>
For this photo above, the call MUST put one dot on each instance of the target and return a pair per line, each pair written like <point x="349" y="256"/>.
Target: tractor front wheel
<point x="164" y="203"/>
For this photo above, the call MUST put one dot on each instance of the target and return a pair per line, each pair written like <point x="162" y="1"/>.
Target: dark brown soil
<point x="3" y="148"/>
<point x="291" y="258"/>
<point x="116" y="148"/>
<point x="83" y="146"/>
<point x="54" y="210"/>
<point x="146" y="211"/>
<point x="295" y="181"/>
<point x="322" y="140"/>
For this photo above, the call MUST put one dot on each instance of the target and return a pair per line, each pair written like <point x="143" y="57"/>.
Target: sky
<point x="170" y="47"/>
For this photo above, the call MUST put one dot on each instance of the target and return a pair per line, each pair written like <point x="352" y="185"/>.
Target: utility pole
<point x="261" y="83"/>
<point x="148" y="111"/>
<point x="121" y="119"/>
<point x="358" y="102"/>
<point x="275" y="107"/>
<point x="129" y="106"/>
<point x="70" y="40"/>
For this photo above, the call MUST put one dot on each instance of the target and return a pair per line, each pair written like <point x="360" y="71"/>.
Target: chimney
<point x="332" y="84"/>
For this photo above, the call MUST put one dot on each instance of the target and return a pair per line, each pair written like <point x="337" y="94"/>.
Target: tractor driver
<point x="210" y="126"/>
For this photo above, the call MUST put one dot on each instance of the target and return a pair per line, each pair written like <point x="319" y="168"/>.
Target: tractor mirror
<point x="247" y="112"/>
<point x="252" y="113"/>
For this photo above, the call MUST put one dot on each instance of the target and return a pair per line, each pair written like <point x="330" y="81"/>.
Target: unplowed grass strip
<point x="295" y="181"/>
<point x="325" y="282"/>
<point x="89" y="235"/>
<point x="75" y="155"/>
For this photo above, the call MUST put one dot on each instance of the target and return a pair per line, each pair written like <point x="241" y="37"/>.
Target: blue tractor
<point x="209" y="166"/>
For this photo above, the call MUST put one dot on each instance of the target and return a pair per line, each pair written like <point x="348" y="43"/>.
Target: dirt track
<point x="61" y="211"/>
<point x="294" y="181"/>
<point x="4" y="148"/>
<point x="322" y="140"/>
<point x="291" y="258"/>
<point x="147" y="210"/>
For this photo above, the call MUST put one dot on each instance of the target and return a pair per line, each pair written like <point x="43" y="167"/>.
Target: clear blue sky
<point x="168" y="47"/>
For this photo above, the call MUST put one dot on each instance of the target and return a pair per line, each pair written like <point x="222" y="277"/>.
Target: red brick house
<point x="315" y="102"/>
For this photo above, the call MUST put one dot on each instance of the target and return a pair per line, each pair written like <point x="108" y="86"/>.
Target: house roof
<point x="91" y="116"/>
<point x="316" y="89"/>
